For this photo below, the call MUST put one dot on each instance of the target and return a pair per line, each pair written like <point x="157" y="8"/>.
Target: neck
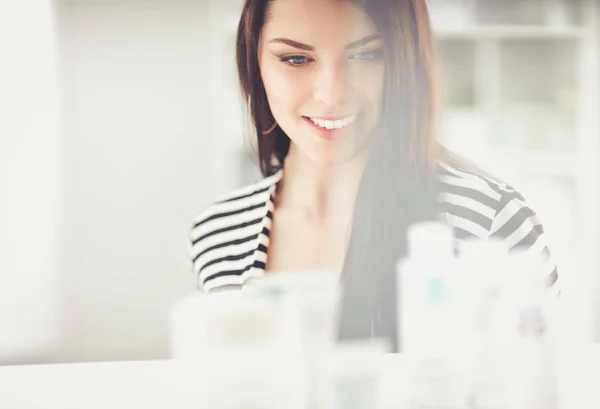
<point x="323" y="194"/>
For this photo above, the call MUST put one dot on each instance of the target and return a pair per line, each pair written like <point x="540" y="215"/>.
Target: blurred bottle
<point x="510" y="313"/>
<point x="482" y="263"/>
<point x="532" y="360"/>
<point x="430" y="333"/>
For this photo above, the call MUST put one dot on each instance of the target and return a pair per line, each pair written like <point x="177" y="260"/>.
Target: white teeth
<point x="337" y="124"/>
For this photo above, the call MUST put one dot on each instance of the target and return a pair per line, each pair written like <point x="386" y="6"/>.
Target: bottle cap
<point x="430" y="239"/>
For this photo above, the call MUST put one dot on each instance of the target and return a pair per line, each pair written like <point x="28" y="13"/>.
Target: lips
<point x="339" y="128"/>
<point x="334" y="123"/>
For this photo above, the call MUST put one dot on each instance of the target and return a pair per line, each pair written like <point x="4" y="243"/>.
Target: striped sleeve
<point x="222" y="244"/>
<point x="192" y="250"/>
<point x="519" y="228"/>
<point x="225" y="239"/>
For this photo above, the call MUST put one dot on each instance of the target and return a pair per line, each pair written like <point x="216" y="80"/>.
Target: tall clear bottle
<point x="429" y="328"/>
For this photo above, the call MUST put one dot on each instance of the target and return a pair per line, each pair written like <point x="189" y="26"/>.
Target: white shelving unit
<point x="499" y="32"/>
<point x="520" y="88"/>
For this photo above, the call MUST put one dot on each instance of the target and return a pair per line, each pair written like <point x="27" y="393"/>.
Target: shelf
<point x="509" y="31"/>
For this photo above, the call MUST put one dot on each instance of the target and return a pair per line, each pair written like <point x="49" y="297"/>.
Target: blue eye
<point x="294" y="60"/>
<point x="369" y="55"/>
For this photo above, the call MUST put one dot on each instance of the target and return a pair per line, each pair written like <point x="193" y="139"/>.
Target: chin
<point x="327" y="153"/>
<point x="330" y="158"/>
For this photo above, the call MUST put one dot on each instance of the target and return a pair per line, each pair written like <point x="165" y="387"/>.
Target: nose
<point x="332" y="86"/>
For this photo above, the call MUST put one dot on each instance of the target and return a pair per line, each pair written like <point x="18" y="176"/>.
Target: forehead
<point x="317" y="21"/>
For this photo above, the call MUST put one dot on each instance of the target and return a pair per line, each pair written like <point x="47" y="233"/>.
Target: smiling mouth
<point x="332" y="124"/>
<point x="332" y="129"/>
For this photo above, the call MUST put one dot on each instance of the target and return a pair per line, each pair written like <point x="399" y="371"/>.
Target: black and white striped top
<point x="229" y="239"/>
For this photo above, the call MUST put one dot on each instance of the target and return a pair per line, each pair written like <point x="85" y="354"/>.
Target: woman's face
<point x="321" y="62"/>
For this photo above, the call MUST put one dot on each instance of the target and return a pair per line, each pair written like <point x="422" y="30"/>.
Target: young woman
<point x="343" y="101"/>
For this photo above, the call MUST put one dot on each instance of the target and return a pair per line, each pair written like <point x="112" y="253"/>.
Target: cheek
<point x="283" y="89"/>
<point x="372" y="88"/>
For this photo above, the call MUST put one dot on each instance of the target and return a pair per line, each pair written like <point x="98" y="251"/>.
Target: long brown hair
<point x="394" y="189"/>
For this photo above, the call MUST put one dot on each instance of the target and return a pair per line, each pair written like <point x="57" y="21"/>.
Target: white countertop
<point x="167" y="384"/>
<point x="138" y="384"/>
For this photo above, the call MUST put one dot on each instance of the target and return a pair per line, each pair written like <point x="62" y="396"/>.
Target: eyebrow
<point x="302" y="46"/>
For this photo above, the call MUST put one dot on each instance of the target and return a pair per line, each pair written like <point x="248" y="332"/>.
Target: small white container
<point x="244" y="350"/>
<point x="350" y="376"/>
<point x="314" y="295"/>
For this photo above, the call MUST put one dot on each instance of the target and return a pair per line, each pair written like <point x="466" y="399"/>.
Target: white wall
<point x="29" y="159"/>
<point x="137" y="167"/>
